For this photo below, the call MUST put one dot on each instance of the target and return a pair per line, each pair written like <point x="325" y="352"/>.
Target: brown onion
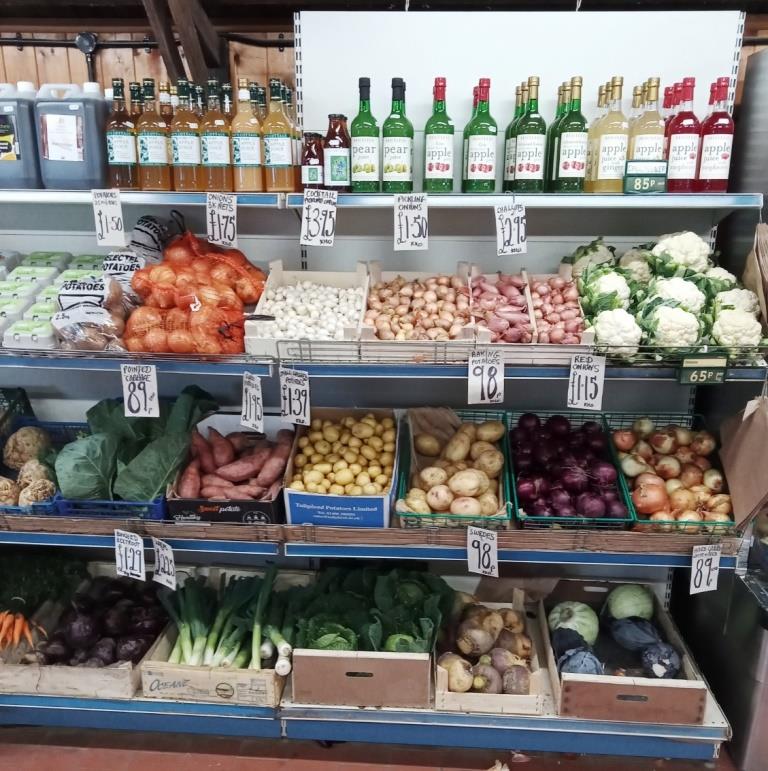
<point x="624" y="439"/>
<point x="663" y="442"/>
<point x="648" y="478"/>
<point x="702" y="462"/>
<point x="668" y="467"/>
<point x="685" y="455"/>
<point x="713" y="479"/>
<point x="682" y="500"/>
<point x="703" y="443"/>
<point x="662" y="521"/>
<point x="691" y="475"/>
<point x="687" y="516"/>
<point x="650" y="498"/>
<point x="719" y="504"/>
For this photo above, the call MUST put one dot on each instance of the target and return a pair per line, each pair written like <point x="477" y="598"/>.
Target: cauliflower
<point x="602" y="289"/>
<point x="636" y="263"/>
<point x="736" y="329"/>
<point x="33" y="471"/>
<point x="686" y="293"/>
<point x="593" y="253"/>
<point x="669" y="326"/>
<point x="720" y="279"/>
<point x="740" y="299"/>
<point x="37" y="492"/>
<point x="680" y="254"/>
<point x="617" y="331"/>
<point x="28" y="443"/>
<point x="9" y="492"/>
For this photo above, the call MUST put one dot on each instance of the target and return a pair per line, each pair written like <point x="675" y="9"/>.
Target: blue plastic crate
<point x="154" y="510"/>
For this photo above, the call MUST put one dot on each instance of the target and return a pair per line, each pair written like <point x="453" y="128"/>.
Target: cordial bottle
<point x="716" y="144"/>
<point x="438" y="145"/>
<point x="684" y="134"/>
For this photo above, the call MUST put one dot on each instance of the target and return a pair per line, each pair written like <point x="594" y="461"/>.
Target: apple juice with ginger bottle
<point x="612" y="144"/>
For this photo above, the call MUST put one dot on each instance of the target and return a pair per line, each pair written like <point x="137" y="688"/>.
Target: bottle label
<point x="215" y="149"/>
<point x="365" y="159"/>
<point x="464" y="158"/>
<point x="683" y="154"/>
<point x="246" y="149"/>
<point x="336" y="166"/>
<point x="529" y="156"/>
<point x="185" y="148"/>
<point x="397" y="159"/>
<point x="311" y="175"/>
<point x="648" y="147"/>
<point x="153" y="148"/>
<point x="612" y="156"/>
<point x="481" y="157"/>
<point x="121" y="148"/>
<point x="9" y="144"/>
<point x="63" y="137"/>
<point x="715" y="156"/>
<point x="278" y="151"/>
<point x="438" y="156"/>
<point x="572" y="163"/>
<point x="510" y="151"/>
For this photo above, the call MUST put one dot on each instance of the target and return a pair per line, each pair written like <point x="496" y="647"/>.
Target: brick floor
<point x="44" y="749"/>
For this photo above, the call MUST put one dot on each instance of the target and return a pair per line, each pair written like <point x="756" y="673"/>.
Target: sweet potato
<point x="253" y="490"/>
<point x="215" y="492"/>
<point x="202" y="450"/>
<point x="189" y="482"/>
<point x="214" y="480"/>
<point x="285" y="436"/>
<point x="223" y="451"/>
<point x="242" y="440"/>
<point x="273" y="469"/>
<point x="240" y="470"/>
<point x="273" y="491"/>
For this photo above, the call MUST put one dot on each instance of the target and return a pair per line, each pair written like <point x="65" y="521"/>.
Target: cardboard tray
<point x="243" y="512"/>
<point x="361" y="678"/>
<point x="302" y="508"/>
<point x="502" y="704"/>
<point x="682" y="701"/>
<point x="257" y="344"/>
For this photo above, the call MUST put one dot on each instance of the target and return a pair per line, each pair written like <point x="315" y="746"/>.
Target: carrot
<point x="18" y="623"/>
<point x="28" y="634"/>
<point x="5" y="629"/>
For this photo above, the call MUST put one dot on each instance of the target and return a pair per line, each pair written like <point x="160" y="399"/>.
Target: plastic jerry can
<point x="70" y="136"/>
<point x="19" y="166"/>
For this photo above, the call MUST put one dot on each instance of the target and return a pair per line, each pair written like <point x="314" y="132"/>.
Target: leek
<point x="261" y="606"/>
<point x="233" y="598"/>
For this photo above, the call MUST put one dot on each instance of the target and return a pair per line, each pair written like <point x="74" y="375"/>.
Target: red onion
<point x="603" y="473"/>
<point x="615" y="509"/>
<point x="541" y="508"/>
<point x="591" y="427"/>
<point x="590" y="505"/>
<point x="559" y="498"/>
<point x="574" y="479"/>
<point x="559" y="425"/>
<point x="528" y="421"/>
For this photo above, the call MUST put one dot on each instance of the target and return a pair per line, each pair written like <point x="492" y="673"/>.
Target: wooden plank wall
<point x="64" y="65"/>
<point x="756" y="26"/>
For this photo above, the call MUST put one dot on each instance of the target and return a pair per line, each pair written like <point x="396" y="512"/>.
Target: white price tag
<point x="511" y="229"/>
<point x="482" y="551"/>
<point x="108" y="217"/>
<point x="318" y="218"/>
<point x="485" y="377"/>
<point x="221" y="218"/>
<point x="140" y="399"/>
<point x="705" y="568"/>
<point x="585" y="382"/>
<point x="294" y="395"/>
<point x="129" y="555"/>
<point x="165" y="564"/>
<point x="411" y="222"/>
<point x="252" y="415"/>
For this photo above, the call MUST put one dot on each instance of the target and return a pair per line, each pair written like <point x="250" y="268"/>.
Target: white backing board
<point x="507" y="48"/>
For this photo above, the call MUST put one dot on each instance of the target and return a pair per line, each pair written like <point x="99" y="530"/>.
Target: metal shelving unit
<point x="128" y="198"/>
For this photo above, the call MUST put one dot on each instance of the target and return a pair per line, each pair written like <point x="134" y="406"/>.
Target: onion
<point x="650" y="498"/>
<point x="682" y="500"/>
<point x="633" y="465"/>
<point x="702" y="462"/>
<point x="685" y="454"/>
<point x="590" y="505"/>
<point x="663" y="442"/>
<point x="541" y="508"/>
<point x="644" y="450"/>
<point x="668" y="467"/>
<point x="702" y="493"/>
<point x="692" y="516"/>
<point x="649" y="479"/>
<point x="526" y="490"/>
<point x="713" y="522"/>
<point x="575" y="480"/>
<point x="683" y="436"/>
<point x="528" y="421"/>
<point x="615" y="509"/>
<point x="672" y="485"/>
<point x="603" y="473"/>
<point x="596" y="442"/>
<point x="643" y="427"/>
<point x="559" y="498"/>
<point x="591" y="427"/>
<point x="713" y="479"/>
<point x="691" y="475"/>
<point x="703" y="443"/>
<point x="661" y="518"/>
<point x="559" y="425"/>
<point x="719" y="504"/>
<point x="624" y="439"/>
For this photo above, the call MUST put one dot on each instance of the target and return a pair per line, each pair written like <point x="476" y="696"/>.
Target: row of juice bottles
<point x="221" y="144"/>
<point x="570" y="155"/>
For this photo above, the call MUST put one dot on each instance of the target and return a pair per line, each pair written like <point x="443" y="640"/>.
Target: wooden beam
<point x="208" y="35"/>
<point x="190" y="41"/>
<point x="160" y="21"/>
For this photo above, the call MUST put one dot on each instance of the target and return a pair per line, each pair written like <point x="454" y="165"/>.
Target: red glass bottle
<point x="684" y="134"/>
<point x="716" y="144"/>
<point x="712" y="100"/>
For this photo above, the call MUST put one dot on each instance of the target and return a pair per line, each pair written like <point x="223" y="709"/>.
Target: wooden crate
<point x="361" y="678"/>
<point x="492" y="703"/>
<point x="633" y="699"/>
<point x="161" y="680"/>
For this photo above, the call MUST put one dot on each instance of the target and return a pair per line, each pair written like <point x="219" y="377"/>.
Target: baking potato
<point x="491" y="462"/>
<point x="465" y="505"/>
<point x="458" y="447"/>
<point x="439" y="498"/>
<point x="418" y="505"/>
<point x="478" y="448"/>
<point x="470" y="429"/>
<point x="432" y="477"/>
<point x="426" y="444"/>
<point x="468" y="483"/>
<point x="491" y="431"/>
<point x="489" y="504"/>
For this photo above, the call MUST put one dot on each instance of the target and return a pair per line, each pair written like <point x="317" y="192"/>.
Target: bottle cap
<point x="720" y="82"/>
<point x="484" y="83"/>
<point x="617" y="80"/>
<point x="398" y="82"/>
<point x="364" y="82"/>
<point x="689" y="81"/>
<point x="533" y="80"/>
<point x="89" y="87"/>
<point x="654" y="81"/>
<point x="116" y="82"/>
<point x="576" y="80"/>
<point x="337" y="116"/>
<point x="25" y="85"/>
<point x="440" y="82"/>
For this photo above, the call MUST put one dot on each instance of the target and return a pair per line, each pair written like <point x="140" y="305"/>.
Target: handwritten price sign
<point x="129" y="555"/>
<point x="585" y="383"/>
<point x="511" y="229"/>
<point x="411" y="222"/>
<point x="108" y="217"/>
<point x="318" y="218"/>
<point x="252" y="414"/>
<point x="485" y="377"/>
<point x="294" y="396"/>
<point x="221" y="218"/>
<point x="140" y="398"/>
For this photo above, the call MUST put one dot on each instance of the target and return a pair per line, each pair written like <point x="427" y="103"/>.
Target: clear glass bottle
<point x="612" y="144"/>
<point x="397" y="144"/>
<point x="684" y="132"/>
<point x="531" y="144"/>
<point x="227" y="101"/>
<point x="199" y="101"/>
<point x="247" y="169"/>
<point x="336" y="153"/>
<point x="637" y="99"/>
<point x="164" y="101"/>
<point x="152" y="141"/>
<point x="510" y="144"/>
<point x="137" y="100"/>
<point x="122" y="170"/>
<point x="215" y="144"/>
<point x="716" y="144"/>
<point x="364" y="130"/>
<point x="261" y="98"/>
<point x="438" y="144"/>
<point x="646" y="139"/>
<point x="571" y="136"/>
<point x="185" y="143"/>
<point x="278" y="136"/>
<point x="312" y="162"/>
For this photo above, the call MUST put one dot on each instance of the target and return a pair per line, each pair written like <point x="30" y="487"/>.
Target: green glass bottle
<point x="510" y="144"/>
<point x="562" y="106"/>
<point x="531" y="144"/>
<point x="481" y="144"/>
<point x="438" y="145"/>
<point x="397" y="144"/>
<point x="365" y="144"/>
<point x="466" y="142"/>
<point x="572" y="135"/>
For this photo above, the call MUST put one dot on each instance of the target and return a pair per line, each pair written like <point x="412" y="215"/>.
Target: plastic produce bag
<point x="151" y="234"/>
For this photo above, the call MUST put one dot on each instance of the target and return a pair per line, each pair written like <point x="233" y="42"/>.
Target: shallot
<point x="556" y="304"/>
<point x="500" y="306"/>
